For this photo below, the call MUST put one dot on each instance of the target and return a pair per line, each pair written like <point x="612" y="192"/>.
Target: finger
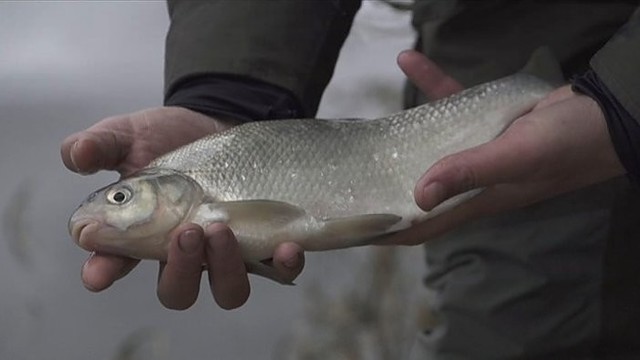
<point x="288" y="259"/>
<point x="427" y="76"/>
<point x="103" y="146"/>
<point x="101" y="270"/>
<point x="489" y="202"/>
<point x="504" y="159"/>
<point x="179" y="277"/>
<point x="227" y="273"/>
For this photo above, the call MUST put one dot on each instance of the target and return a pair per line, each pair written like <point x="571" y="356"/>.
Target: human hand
<point x="129" y="142"/>
<point x="561" y="145"/>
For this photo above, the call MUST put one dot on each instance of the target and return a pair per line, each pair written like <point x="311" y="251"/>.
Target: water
<point x="64" y="66"/>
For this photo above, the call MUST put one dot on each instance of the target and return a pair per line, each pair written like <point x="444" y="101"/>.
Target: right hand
<point x="126" y="144"/>
<point x="561" y="145"/>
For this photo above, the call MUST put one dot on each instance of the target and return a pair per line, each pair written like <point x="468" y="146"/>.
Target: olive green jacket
<point x="295" y="44"/>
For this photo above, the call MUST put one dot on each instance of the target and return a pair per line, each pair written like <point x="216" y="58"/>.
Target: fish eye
<point x="119" y="196"/>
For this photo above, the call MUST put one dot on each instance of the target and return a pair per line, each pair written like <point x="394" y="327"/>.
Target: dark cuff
<point x="234" y="97"/>
<point x="623" y="128"/>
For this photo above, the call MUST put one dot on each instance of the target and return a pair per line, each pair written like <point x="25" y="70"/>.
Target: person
<point x="541" y="264"/>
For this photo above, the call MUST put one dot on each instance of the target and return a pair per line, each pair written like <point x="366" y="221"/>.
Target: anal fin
<point x="357" y="230"/>
<point x="266" y="271"/>
<point x="275" y="213"/>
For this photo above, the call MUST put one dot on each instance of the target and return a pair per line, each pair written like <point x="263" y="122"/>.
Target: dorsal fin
<point x="545" y="66"/>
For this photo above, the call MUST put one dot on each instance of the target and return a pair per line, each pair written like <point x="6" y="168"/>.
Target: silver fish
<point x="324" y="184"/>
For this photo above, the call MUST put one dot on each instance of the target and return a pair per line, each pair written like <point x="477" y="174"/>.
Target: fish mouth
<point x="78" y="229"/>
<point x="93" y="235"/>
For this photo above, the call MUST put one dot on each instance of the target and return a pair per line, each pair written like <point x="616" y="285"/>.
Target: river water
<point x="64" y="66"/>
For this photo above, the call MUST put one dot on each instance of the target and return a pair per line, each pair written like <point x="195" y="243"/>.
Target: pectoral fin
<point x="275" y="213"/>
<point x="260" y="225"/>
<point x="544" y="64"/>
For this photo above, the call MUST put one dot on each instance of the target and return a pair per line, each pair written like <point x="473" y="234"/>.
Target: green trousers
<point x="556" y="280"/>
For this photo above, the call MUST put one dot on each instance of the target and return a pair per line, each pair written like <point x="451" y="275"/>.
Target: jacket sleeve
<point x="287" y="43"/>
<point x="618" y="65"/>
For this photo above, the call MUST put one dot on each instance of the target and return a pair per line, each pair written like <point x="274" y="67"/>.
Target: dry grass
<point x="375" y="319"/>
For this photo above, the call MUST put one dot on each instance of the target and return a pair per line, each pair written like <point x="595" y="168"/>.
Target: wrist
<point x="234" y="98"/>
<point x="623" y="129"/>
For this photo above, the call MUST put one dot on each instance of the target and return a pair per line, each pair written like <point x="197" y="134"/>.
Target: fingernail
<point x="189" y="242"/>
<point x="87" y="285"/>
<point x="84" y="268"/>
<point x="73" y="153"/>
<point x="432" y="195"/>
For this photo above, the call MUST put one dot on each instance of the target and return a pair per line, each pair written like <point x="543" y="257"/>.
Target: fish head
<point x="134" y="216"/>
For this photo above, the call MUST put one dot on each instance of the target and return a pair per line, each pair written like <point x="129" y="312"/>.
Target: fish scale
<point x="335" y="168"/>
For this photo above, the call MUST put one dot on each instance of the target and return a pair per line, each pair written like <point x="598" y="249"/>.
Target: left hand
<point x="562" y="145"/>
<point x="127" y="143"/>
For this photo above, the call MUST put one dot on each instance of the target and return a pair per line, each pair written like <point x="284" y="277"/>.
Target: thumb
<point x="498" y="161"/>
<point x="102" y="146"/>
<point x="427" y="76"/>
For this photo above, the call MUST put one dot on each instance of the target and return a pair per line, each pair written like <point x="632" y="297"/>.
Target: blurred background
<point x="66" y="65"/>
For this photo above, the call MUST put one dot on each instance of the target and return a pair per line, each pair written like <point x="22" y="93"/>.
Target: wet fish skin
<point x="324" y="184"/>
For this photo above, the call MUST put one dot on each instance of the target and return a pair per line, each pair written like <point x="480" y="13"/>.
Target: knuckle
<point x="456" y="174"/>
